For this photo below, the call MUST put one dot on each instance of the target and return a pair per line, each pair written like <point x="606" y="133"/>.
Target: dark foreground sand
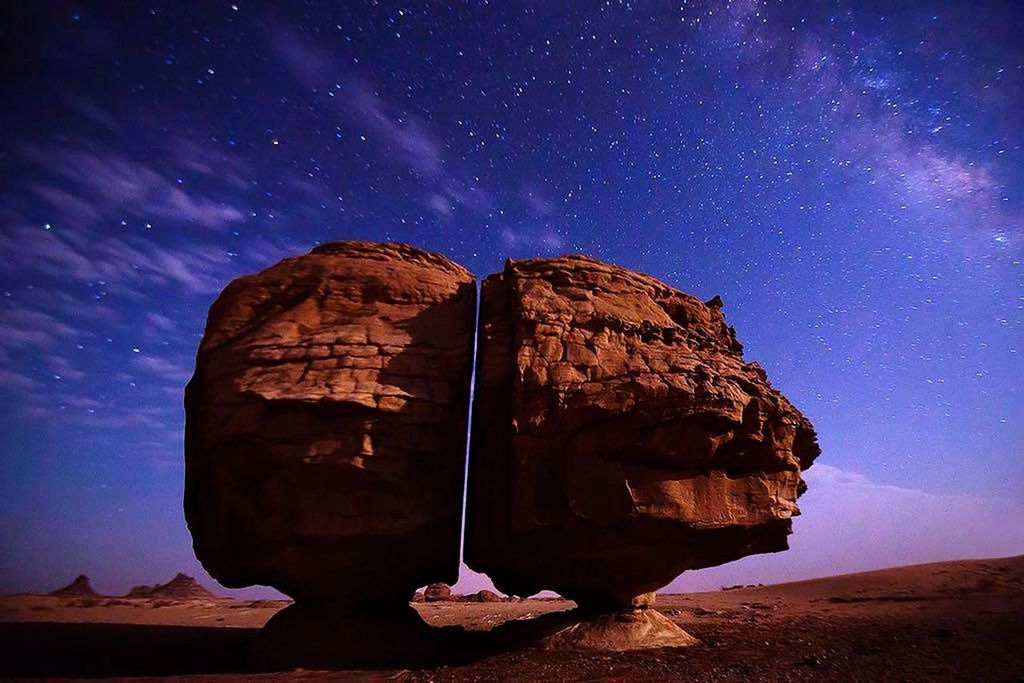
<point x="946" y="621"/>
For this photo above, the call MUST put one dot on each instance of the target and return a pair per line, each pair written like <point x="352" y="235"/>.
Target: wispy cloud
<point x="543" y="240"/>
<point x="64" y="368"/>
<point x="26" y="327"/>
<point x="402" y="134"/>
<point x="535" y="201"/>
<point x="17" y="381"/>
<point x="97" y="181"/>
<point x="88" y="289"/>
<point x="160" y="322"/>
<point x="208" y="161"/>
<point x="440" y="205"/>
<point x="94" y="112"/>
<point x="311" y="65"/>
<point x="169" y="370"/>
<point x="66" y="204"/>
<point x="154" y="418"/>
<point x="403" y="138"/>
<point x="128" y="260"/>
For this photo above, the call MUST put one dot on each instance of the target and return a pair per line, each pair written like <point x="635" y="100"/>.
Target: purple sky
<point x="848" y="177"/>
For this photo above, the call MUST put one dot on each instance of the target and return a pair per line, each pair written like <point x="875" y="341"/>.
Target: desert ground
<point x="959" y="620"/>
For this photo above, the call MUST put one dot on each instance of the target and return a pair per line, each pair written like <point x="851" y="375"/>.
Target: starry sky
<point x="847" y="176"/>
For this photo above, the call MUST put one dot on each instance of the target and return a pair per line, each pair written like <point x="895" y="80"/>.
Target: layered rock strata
<point x="326" y="425"/>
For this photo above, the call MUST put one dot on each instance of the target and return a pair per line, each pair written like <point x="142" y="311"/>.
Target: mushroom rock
<point x="326" y="426"/>
<point x="618" y="439"/>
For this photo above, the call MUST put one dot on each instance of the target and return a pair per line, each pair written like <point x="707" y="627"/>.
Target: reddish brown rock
<point x="619" y="437"/>
<point x="326" y="425"/>
<point x="484" y="595"/>
<point x="79" y="588"/>
<point x="437" y="592"/>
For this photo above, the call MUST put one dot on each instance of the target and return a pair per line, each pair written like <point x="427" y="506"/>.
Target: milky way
<point x="847" y="177"/>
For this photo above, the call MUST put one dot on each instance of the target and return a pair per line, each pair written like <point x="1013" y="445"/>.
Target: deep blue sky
<point x="847" y="176"/>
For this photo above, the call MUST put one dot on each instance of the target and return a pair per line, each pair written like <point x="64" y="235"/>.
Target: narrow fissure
<point x="469" y="424"/>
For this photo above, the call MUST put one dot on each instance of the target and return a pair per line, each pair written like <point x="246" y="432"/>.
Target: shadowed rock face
<point x="80" y="587"/>
<point x="619" y="437"/>
<point x="325" y="425"/>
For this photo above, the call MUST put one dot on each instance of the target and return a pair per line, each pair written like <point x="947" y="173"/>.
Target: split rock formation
<point x="618" y="439"/>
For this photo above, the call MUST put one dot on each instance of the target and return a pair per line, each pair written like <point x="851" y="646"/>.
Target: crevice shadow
<point x="84" y="650"/>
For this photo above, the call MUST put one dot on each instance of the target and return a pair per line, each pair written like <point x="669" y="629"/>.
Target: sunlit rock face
<point x="326" y="425"/>
<point x="619" y="437"/>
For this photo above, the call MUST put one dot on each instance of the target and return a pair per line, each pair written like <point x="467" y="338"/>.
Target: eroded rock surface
<point x="326" y="425"/>
<point x="619" y="437"/>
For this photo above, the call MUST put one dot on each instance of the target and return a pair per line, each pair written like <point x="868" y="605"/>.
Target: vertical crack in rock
<point x="618" y="438"/>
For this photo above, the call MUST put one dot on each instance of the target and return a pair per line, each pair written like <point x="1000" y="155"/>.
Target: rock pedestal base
<point x="637" y="627"/>
<point x="631" y="629"/>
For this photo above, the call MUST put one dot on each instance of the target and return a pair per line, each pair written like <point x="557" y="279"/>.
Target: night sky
<point x="848" y="177"/>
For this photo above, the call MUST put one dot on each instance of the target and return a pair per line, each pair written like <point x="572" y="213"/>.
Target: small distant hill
<point x="181" y="587"/>
<point x="79" y="588"/>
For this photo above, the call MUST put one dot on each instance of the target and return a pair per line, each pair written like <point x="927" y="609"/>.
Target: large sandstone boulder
<point x="619" y="437"/>
<point x="326" y="425"/>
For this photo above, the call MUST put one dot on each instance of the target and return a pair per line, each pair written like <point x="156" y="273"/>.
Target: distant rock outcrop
<point x="181" y="587"/>
<point x="326" y="425"/>
<point x="79" y="588"/>
<point x="484" y="596"/>
<point x="619" y="437"/>
<point x="437" y="592"/>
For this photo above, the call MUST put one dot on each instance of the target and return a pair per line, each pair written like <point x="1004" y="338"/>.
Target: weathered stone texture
<point x="619" y="437"/>
<point x="326" y="424"/>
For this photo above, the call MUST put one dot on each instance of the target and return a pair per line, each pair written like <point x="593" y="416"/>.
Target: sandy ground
<point x="959" y="620"/>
